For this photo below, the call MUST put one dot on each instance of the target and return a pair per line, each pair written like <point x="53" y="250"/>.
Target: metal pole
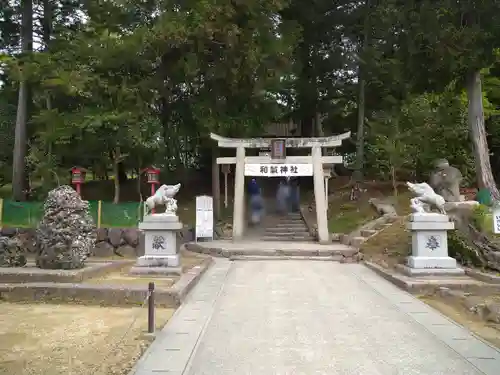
<point x="151" y="308"/>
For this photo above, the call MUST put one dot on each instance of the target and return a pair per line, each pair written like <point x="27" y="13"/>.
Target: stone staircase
<point x="290" y="227"/>
<point x="359" y="236"/>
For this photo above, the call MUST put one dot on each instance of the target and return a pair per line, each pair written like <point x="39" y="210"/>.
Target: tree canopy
<point x="120" y="85"/>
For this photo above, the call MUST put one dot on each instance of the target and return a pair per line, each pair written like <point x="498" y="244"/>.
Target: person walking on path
<point x="256" y="202"/>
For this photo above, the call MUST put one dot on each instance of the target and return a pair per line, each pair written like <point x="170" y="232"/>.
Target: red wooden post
<point x="78" y="178"/>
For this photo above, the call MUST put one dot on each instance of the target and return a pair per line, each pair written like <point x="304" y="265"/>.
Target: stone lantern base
<point x="160" y="251"/>
<point x="430" y="246"/>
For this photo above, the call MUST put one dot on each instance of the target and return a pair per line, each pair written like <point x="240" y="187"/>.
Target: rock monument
<point x="12" y="253"/>
<point x="445" y="180"/>
<point x="429" y="252"/>
<point x="66" y="235"/>
<point x="160" y="234"/>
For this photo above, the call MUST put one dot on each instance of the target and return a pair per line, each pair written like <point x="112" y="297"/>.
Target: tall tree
<point x="362" y="65"/>
<point x="19" y="162"/>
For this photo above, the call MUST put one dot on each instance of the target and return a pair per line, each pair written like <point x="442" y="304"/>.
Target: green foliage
<point x="459" y="249"/>
<point x="481" y="218"/>
<point x="425" y="128"/>
<point x="131" y="84"/>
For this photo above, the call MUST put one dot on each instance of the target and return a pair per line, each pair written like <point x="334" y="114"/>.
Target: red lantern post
<point x="153" y="179"/>
<point x="78" y="178"/>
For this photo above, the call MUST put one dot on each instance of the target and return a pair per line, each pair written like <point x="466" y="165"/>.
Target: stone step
<point x="286" y="235"/>
<point x="333" y="258"/>
<point x="285" y="228"/>
<point x="368" y="232"/>
<point x="228" y="249"/>
<point x="392" y="219"/>
<point x="281" y="223"/>
<point x="383" y="226"/>
<point x="288" y="238"/>
<point x="356" y="241"/>
<point x="292" y="232"/>
<point x="284" y="225"/>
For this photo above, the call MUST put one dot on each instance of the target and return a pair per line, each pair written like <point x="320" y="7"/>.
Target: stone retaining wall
<point x="102" y="294"/>
<point x="127" y="242"/>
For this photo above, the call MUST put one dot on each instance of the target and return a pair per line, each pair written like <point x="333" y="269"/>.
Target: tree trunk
<point x="360" y="132"/>
<point x="19" y="162"/>
<point x="122" y="173"/>
<point x="139" y="184"/>
<point x="477" y="130"/>
<point x="116" y="169"/>
<point x="318" y="125"/>
<point x="46" y="33"/>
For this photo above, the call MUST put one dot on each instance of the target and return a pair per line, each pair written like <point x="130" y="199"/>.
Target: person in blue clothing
<point x="256" y="202"/>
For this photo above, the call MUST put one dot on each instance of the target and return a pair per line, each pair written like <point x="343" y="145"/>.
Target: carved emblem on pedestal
<point x="432" y="243"/>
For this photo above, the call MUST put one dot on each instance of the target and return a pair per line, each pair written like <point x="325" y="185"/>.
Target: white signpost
<point x="496" y="220"/>
<point x="278" y="170"/>
<point x="204" y="217"/>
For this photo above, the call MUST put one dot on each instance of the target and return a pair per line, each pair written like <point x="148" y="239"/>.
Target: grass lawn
<point x="345" y="216"/>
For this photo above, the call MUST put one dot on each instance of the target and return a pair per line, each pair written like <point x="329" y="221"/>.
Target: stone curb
<point x="220" y="252"/>
<point x="482" y="276"/>
<point x="103" y="295"/>
<point x="190" y="278"/>
<point x="37" y="275"/>
<point x="335" y="258"/>
<point x="418" y="285"/>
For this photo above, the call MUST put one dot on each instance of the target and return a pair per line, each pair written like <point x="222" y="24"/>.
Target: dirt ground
<point x="457" y="312"/>
<point x="390" y="246"/>
<point x="39" y="339"/>
<point x="123" y="277"/>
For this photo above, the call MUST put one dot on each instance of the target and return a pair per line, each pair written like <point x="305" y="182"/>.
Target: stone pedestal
<point x="430" y="246"/>
<point x="160" y="245"/>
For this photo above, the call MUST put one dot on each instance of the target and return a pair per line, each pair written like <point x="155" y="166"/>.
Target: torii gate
<point x="311" y="165"/>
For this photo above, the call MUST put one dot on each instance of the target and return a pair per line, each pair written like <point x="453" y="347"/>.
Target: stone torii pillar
<point x="239" y="194"/>
<point x="320" y="195"/>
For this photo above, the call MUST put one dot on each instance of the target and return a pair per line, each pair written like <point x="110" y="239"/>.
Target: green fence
<point x="105" y="214"/>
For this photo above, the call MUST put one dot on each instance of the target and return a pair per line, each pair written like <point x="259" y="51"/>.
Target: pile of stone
<point x="117" y="241"/>
<point x="66" y="235"/>
<point x="12" y="253"/>
<point x="127" y="242"/>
